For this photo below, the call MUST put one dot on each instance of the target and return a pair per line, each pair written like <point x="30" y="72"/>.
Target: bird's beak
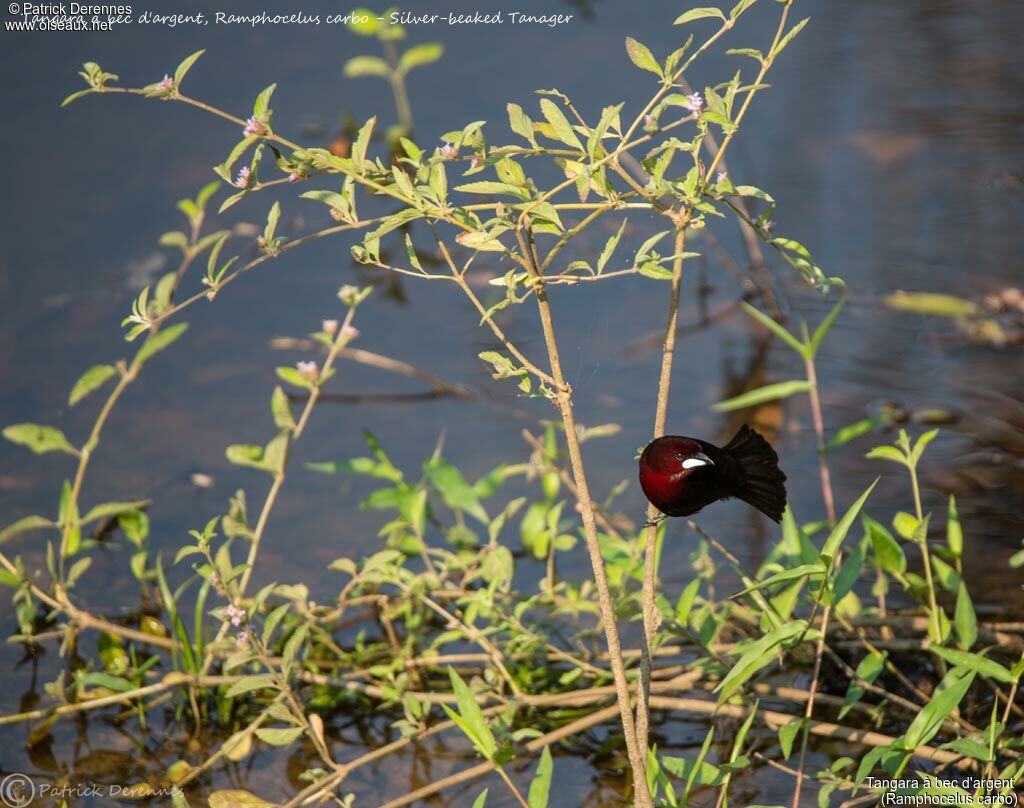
<point x="698" y="460"/>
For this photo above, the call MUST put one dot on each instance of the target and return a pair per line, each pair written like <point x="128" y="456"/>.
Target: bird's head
<point x="673" y="456"/>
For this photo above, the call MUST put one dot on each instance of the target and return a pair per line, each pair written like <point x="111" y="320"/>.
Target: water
<point x="891" y="139"/>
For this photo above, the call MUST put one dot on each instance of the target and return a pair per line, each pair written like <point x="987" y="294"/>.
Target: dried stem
<point x="563" y="400"/>
<point x="649" y="605"/>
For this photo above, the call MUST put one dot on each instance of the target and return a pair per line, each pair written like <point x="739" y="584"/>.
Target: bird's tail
<point x="763" y="479"/>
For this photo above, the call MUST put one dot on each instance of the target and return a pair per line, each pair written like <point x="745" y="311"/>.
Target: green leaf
<point x="869" y="669"/>
<point x="276" y="452"/>
<point x="293" y="377"/>
<point x="89" y="381"/>
<point x="455" y="491"/>
<point x="362" y="143"/>
<point x="849" y="573"/>
<point x="931" y="303"/>
<point x="906" y="524"/>
<point x="159" y="341"/>
<point x="559" y="123"/>
<point x="799" y="257"/>
<point x="965" y="620"/>
<point x="470" y="718"/>
<point x="485" y="242"/>
<point x="394" y="222"/>
<point x="113" y="509"/>
<point x="481" y="800"/>
<point x="756" y="656"/>
<point x="540" y="786"/>
<point x="685" y="604"/>
<point x="852" y="432"/>
<point x="787" y="734"/>
<point x="974" y="662"/>
<point x="699" y="14"/>
<point x="262" y="104"/>
<point x="23" y="525"/>
<point x="786" y="575"/>
<point x="237" y="797"/>
<point x="609" y="248"/>
<point x="888" y="552"/>
<point x="954" y="532"/>
<point x="775" y="328"/>
<point x="107" y="680"/>
<point x="835" y="538"/>
<point x="245" y="455"/>
<point x="420" y="55"/>
<point x="890" y="453"/>
<point x="186" y="65"/>
<point x="641" y="56"/>
<point x="826" y="325"/>
<point x="969" y="748"/>
<point x="489" y="187"/>
<point x="650" y="269"/>
<point x="359" y="66"/>
<point x="273" y="216"/>
<point x="281" y="409"/>
<point x="76" y="95"/>
<point x="770" y="392"/>
<point x="520" y="123"/>
<point x="790" y="35"/>
<point x="946" y="697"/>
<point x="364" y="22"/>
<point x="279" y="736"/>
<point x="921" y="444"/>
<point x="740" y="7"/>
<point x="38" y="438"/>
<point x="247" y="684"/>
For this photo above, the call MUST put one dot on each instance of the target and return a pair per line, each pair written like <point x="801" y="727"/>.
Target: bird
<point x="681" y="475"/>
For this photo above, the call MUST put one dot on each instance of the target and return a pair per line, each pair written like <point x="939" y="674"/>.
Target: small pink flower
<point x="214" y="580"/>
<point x="244" y="177"/>
<point x="447" y="151"/>
<point x="347" y="294"/>
<point x="330" y="326"/>
<point x="721" y="177"/>
<point x="350" y="333"/>
<point x="476" y="161"/>
<point x="234" y="614"/>
<point x="769" y="226"/>
<point x="242" y="641"/>
<point x="694" y="103"/>
<point x="166" y="84"/>
<point x="648" y="121"/>
<point x="308" y="370"/>
<point x="254" y="128"/>
<point x="295" y="176"/>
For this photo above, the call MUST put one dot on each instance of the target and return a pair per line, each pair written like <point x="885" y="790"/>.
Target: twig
<point x="647" y="597"/>
<point x="563" y="399"/>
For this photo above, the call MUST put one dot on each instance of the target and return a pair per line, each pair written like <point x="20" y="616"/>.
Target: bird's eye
<point x="680" y="456"/>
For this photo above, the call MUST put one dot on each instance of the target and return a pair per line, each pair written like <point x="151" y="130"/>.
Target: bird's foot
<point x="657" y="520"/>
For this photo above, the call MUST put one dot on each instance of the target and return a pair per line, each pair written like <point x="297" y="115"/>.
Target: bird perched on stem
<point x="681" y="475"/>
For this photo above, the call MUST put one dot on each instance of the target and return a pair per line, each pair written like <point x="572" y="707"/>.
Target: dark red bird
<point x="681" y="475"/>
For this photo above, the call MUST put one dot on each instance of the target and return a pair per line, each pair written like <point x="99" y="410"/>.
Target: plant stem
<point x="934" y="626"/>
<point x="512" y="786"/>
<point x="649" y="605"/>
<point x="563" y="400"/>
<point x="279" y="477"/>
<point x="830" y="510"/>
<point x="765" y="67"/>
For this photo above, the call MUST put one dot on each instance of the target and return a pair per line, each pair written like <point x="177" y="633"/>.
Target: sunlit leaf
<point x="771" y="392"/>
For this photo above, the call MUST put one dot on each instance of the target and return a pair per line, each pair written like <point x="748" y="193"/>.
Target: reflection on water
<point x="891" y="139"/>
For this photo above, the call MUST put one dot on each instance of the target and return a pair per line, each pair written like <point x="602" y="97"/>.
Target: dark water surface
<point x="892" y="139"/>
